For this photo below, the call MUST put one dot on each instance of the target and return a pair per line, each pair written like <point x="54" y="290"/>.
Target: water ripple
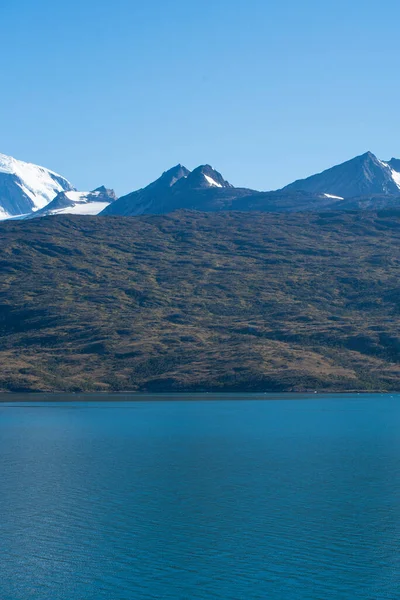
<point x="190" y="500"/>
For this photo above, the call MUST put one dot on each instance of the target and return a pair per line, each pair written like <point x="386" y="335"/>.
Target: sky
<point x="116" y="92"/>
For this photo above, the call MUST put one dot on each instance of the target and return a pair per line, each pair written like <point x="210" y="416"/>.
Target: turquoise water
<point x="235" y="499"/>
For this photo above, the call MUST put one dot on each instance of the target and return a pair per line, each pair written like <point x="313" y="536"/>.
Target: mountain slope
<point x="201" y="301"/>
<point x="362" y="183"/>
<point x="25" y="187"/>
<point x="361" y="176"/>
<point x="204" y="189"/>
<point x="143" y="200"/>
<point x="78" y="203"/>
<point x="201" y="189"/>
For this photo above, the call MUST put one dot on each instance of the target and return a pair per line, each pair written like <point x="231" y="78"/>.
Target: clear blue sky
<point x="116" y="92"/>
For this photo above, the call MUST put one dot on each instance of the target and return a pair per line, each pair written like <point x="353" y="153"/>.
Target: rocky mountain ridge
<point x="364" y="182"/>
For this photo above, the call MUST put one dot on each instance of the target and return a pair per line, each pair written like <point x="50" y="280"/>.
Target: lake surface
<point x="242" y="498"/>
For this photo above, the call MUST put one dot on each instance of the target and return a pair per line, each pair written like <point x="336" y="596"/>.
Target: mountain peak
<point x="360" y="176"/>
<point x="205" y="176"/>
<point x="366" y="158"/>
<point x="26" y="187"/>
<point x="11" y="165"/>
<point x="177" y="188"/>
<point x="394" y="163"/>
<point x="103" y="191"/>
<point x="170" y="177"/>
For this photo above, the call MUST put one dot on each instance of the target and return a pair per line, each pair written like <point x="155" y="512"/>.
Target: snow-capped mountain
<point x="204" y="189"/>
<point x="363" y="183"/>
<point x="148" y="199"/>
<point x="205" y="177"/>
<point x="25" y="187"/>
<point x="361" y="176"/>
<point x="201" y="189"/>
<point x="78" y="203"/>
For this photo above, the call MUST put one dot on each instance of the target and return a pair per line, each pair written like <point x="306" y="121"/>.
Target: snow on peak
<point x="37" y="184"/>
<point x="211" y="181"/>
<point x="11" y="165"/>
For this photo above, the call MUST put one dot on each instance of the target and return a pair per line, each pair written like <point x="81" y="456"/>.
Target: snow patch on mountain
<point x="82" y="208"/>
<point x="334" y="197"/>
<point x="211" y="181"/>
<point x="78" y="203"/>
<point x="394" y="174"/>
<point x="80" y="197"/>
<point x="396" y="178"/>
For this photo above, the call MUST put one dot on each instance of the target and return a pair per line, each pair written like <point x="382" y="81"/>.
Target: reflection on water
<point x="296" y="499"/>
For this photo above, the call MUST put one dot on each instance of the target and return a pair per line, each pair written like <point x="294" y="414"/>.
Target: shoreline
<point x="61" y="397"/>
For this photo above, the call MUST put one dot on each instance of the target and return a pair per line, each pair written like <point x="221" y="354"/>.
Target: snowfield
<point x="334" y="197"/>
<point x="81" y="208"/>
<point x="211" y="181"/>
<point x="37" y="185"/>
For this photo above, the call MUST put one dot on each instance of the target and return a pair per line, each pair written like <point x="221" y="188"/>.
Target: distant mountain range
<point x="363" y="183"/>
<point x="202" y="189"/>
